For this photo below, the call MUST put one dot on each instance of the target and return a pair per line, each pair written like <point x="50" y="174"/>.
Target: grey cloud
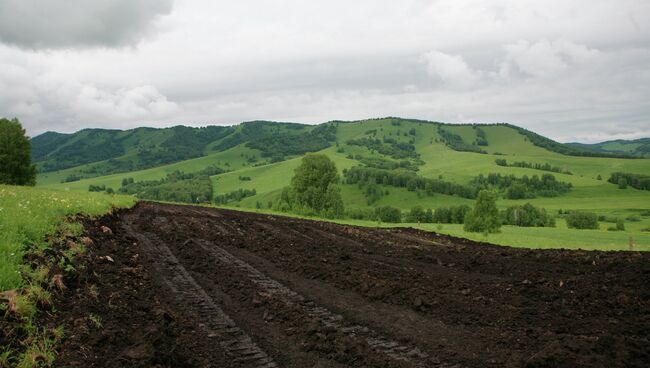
<point x="77" y="23"/>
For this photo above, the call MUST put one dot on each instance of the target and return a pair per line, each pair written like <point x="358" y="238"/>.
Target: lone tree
<point x="484" y="217"/>
<point x="314" y="188"/>
<point x="15" y="155"/>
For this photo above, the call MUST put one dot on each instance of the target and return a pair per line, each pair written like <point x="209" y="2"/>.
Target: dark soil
<point x="198" y="287"/>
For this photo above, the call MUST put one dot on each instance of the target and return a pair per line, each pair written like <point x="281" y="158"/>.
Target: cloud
<point x="564" y="69"/>
<point x="450" y="69"/>
<point x="547" y="58"/>
<point x="45" y="100"/>
<point x="54" y="24"/>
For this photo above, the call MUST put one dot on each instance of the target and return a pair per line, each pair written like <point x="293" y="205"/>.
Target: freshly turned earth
<point x="189" y="286"/>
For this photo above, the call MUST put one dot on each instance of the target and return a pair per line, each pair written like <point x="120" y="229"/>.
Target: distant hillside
<point x="96" y="152"/>
<point x="636" y="147"/>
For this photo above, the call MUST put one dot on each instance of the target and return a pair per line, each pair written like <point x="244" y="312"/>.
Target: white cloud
<point x="546" y="58"/>
<point x="450" y="69"/>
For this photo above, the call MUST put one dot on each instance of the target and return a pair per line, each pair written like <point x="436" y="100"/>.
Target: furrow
<point x="378" y="343"/>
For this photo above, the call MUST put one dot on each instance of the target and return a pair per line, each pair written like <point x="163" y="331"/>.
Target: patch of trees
<point x="481" y="139"/>
<point x="384" y="214"/>
<point x="97" y="188"/>
<point x="314" y="189"/>
<point x="234" y="196"/>
<point x="527" y="216"/>
<point x="15" y="154"/>
<point x="387" y="146"/>
<point x="582" y="220"/>
<point x="405" y="179"/>
<point x="530" y="165"/>
<point x="279" y="146"/>
<point x="522" y="188"/>
<point x="451" y="215"/>
<point x="455" y="142"/>
<point x="71" y="178"/>
<point x="175" y="187"/>
<point x="382" y="163"/>
<point x="637" y="181"/>
<point x="420" y="215"/>
<point x="244" y="178"/>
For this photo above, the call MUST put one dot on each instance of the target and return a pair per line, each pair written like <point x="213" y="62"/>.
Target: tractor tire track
<point x="188" y="294"/>
<point x="378" y="343"/>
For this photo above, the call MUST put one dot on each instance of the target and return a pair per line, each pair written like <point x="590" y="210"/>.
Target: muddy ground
<point x="182" y="286"/>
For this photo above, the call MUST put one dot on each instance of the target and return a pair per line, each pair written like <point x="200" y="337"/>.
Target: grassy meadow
<point x="28" y="215"/>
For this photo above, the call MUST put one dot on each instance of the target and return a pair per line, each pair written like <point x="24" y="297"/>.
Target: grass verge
<point x="33" y="222"/>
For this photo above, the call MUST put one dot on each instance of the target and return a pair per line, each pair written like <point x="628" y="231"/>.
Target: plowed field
<point x="188" y="286"/>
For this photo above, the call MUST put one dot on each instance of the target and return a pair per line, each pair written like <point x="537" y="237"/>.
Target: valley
<point x="268" y="171"/>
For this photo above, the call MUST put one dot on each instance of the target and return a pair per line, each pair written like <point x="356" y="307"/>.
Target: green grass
<point x="28" y="214"/>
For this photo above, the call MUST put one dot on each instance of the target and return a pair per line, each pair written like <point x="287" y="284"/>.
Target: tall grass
<point x="28" y="214"/>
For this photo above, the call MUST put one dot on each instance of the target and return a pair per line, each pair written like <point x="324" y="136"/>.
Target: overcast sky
<point x="574" y="70"/>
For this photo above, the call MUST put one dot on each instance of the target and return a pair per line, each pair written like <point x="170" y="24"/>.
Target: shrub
<point x="388" y="214"/>
<point x="451" y="215"/>
<point x="418" y="214"/>
<point x="582" y="220"/>
<point x="527" y="216"/>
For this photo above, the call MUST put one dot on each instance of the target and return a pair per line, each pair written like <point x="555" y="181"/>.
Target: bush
<point x="485" y="215"/>
<point x="451" y="215"/>
<point x="388" y="214"/>
<point x="582" y="220"/>
<point x="527" y="216"/>
<point x="418" y="214"/>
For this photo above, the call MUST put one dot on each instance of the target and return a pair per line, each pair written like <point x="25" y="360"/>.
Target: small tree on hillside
<point x="314" y="188"/>
<point x="485" y="215"/>
<point x="15" y="155"/>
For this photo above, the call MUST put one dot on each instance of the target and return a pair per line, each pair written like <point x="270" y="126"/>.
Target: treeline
<point x="406" y="179"/>
<point x="530" y="165"/>
<point x="455" y="141"/>
<point x="175" y="187"/>
<point x="234" y="196"/>
<point x="387" y="146"/>
<point x="637" y="181"/>
<point x="510" y="186"/>
<point x="384" y="164"/>
<point x="525" y="187"/>
<point x="526" y="215"/>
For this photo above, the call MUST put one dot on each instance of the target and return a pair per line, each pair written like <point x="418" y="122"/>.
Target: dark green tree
<point x="485" y="215"/>
<point x="15" y="155"/>
<point x="314" y="188"/>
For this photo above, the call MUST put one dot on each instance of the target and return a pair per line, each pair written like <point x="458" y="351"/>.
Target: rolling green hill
<point x="636" y="147"/>
<point x="263" y="155"/>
